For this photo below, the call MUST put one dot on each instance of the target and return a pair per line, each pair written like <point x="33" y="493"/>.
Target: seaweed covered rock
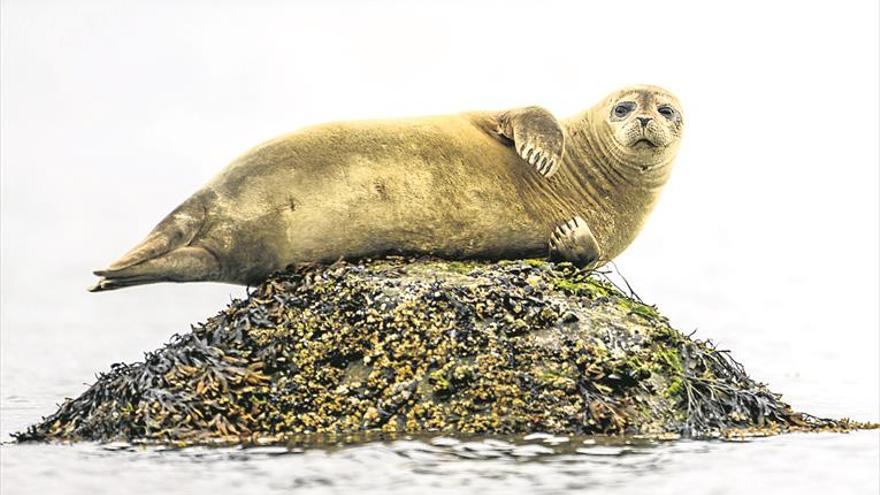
<point x="401" y="345"/>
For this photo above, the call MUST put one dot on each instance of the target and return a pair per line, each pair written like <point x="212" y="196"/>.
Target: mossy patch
<point x="401" y="345"/>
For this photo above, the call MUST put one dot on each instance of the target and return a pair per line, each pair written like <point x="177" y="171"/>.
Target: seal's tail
<point x="164" y="256"/>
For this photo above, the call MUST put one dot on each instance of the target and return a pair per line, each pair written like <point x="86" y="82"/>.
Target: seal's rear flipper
<point x="185" y="264"/>
<point x="177" y="229"/>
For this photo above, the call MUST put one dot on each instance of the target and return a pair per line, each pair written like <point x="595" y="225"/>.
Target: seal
<point x="484" y="185"/>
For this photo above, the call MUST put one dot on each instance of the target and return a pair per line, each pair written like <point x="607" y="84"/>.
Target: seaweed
<point x="402" y="345"/>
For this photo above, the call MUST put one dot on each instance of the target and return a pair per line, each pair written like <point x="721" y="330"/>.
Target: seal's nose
<point x="644" y="120"/>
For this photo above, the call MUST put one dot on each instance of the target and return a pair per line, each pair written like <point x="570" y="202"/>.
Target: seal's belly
<point x="435" y="186"/>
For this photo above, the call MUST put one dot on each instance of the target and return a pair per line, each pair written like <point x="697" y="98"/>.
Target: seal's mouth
<point x="644" y="143"/>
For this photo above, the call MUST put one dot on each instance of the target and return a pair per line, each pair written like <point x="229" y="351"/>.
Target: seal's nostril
<point x="644" y="120"/>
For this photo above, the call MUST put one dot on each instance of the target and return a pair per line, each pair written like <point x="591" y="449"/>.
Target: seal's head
<point x="644" y="122"/>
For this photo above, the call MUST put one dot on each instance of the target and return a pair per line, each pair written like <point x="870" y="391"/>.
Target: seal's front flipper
<point x="185" y="264"/>
<point x="573" y="241"/>
<point x="537" y="136"/>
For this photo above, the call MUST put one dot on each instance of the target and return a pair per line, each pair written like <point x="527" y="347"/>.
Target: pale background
<point x="766" y="238"/>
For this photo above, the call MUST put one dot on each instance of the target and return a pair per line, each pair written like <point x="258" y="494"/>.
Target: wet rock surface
<point x="397" y="345"/>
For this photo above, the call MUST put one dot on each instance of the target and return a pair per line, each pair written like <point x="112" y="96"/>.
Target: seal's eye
<point x="666" y="111"/>
<point x="623" y="108"/>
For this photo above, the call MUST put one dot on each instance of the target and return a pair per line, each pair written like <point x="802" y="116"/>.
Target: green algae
<point x="583" y="286"/>
<point x="643" y="310"/>
<point x="398" y="345"/>
<point x="463" y="267"/>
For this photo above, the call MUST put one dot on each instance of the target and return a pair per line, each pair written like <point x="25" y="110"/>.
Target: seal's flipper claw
<point x="186" y="264"/>
<point x="573" y="241"/>
<point x="536" y="135"/>
<point x="111" y="284"/>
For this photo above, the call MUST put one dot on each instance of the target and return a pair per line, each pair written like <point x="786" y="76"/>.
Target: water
<point x="799" y="463"/>
<point x="444" y="465"/>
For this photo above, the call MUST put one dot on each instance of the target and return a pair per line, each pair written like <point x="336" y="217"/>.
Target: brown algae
<point x="402" y="345"/>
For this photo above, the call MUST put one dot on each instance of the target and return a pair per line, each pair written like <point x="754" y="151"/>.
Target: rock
<point x="399" y="345"/>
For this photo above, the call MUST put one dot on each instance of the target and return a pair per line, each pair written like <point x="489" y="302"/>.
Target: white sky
<point x="766" y="238"/>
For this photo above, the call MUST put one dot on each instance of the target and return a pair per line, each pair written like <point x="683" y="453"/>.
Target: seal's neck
<point x="619" y="188"/>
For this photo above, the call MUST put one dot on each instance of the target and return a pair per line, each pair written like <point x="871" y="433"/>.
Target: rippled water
<point x="801" y="463"/>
